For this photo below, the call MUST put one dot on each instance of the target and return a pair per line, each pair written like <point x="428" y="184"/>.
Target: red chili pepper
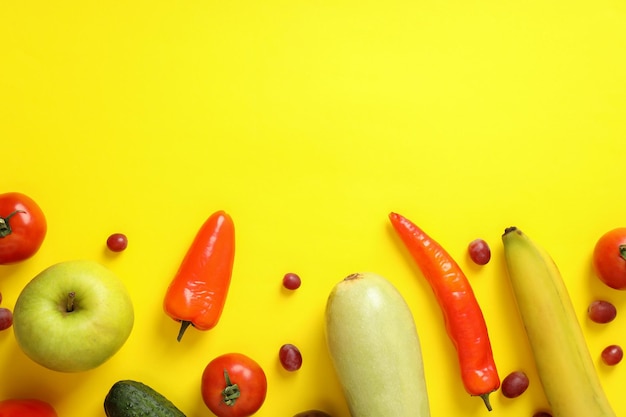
<point x="197" y="293"/>
<point x="463" y="317"/>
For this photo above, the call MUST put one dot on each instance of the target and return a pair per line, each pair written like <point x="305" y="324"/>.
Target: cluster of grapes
<point x="602" y="311"/>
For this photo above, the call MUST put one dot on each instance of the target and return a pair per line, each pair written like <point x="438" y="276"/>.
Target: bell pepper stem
<point x="183" y="326"/>
<point x="485" y="398"/>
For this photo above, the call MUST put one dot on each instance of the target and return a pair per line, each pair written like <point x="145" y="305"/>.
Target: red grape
<point x="542" y="414"/>
<point x="479" y="251"/>
<point x="600" y="311"/>
<point x="6" y="318"/>
<point x="117" y="242"/>
<point x="612" y="355"/>
<point x="290" y="357"/>
<point x="514" y="384"/>
<point x="291" y="281"/>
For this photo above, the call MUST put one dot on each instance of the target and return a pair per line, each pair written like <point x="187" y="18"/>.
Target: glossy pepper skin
<point x="197" y="294"/>
<point x="463" y="317"/>
<point x="26" y="408"/>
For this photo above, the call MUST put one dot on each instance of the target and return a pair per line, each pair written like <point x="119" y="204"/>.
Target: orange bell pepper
<point x="197" y="294"/>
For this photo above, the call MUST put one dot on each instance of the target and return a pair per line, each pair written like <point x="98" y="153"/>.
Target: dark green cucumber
<point x="134" y="399"/>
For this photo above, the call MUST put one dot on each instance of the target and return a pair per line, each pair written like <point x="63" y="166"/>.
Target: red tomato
<point x="233" y="385"/>
<point x="22" y="228"/>
<point x="26" y="408"/>
<point x="609" y="258"/>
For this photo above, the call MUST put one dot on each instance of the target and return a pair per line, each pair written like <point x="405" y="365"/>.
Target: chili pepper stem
<point x="183" y="326"/>
<point x="485" y="398"/>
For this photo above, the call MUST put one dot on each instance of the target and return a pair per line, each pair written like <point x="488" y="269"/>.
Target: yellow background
<point x="309" y="121"/>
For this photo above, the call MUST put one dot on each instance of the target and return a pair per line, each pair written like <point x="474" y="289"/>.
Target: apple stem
<point x="70" y="302"/>
<point x="183" y="326"/>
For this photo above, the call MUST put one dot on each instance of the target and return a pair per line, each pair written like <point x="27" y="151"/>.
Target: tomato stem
<point x="622" y="251"/>
<point x="69" y="307"/>
<point x="183" y="326"/>
<point x="231" y="392"/>
<point x="5" y="227"/>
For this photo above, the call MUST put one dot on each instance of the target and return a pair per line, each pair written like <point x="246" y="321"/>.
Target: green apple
<point x="73" y="316"/>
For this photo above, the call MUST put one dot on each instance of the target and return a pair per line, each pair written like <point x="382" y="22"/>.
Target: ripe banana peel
<point x="563" y="362"/>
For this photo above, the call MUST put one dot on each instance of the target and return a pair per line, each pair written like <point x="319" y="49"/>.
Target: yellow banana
<point x="562" y="358"/>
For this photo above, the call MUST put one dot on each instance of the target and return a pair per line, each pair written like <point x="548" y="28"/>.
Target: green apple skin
<point x="84" y="338"/>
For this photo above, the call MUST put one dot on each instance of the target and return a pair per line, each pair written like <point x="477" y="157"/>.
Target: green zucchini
<point x="134" y="399"/>
<point x="375" y="349"/>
